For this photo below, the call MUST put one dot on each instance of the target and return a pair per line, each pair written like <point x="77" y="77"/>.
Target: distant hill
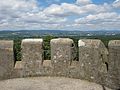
<point x="58" y="33"/>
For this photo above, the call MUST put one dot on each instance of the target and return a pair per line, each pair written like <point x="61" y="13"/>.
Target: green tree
<point x="17" y="49"/>
<point x="47" y="53"/>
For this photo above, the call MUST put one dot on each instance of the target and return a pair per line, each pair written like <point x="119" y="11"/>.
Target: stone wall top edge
<point x="6" y="41"/>
<point x="5" y="44"/>
<point x="81" y="42"/>
<point x="61" y="40"/>
<point x="114" y="43"/>
<point x="89" y="42"/>
<point x="32" y="40"/>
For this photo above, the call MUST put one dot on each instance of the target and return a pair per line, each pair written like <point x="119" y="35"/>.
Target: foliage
<point x="17" y="49"/>
<point x="47" y="39"/>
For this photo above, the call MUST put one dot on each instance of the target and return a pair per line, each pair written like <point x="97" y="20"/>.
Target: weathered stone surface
<point x="61" y="55"/>
<point x="47" y="68"/>
<point x="6" y="58"/>
<point x="114" y="64"/>
<point x="17" y="71"/>
<point x="49" y="83"/>
<point x="94" y="64"/>
<point x="74" y="70"/>
<point x="93" y="60"/>
<point x="32" y="56"/>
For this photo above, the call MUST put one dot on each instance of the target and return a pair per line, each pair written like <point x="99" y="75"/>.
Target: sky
<point x="60" y="15"/>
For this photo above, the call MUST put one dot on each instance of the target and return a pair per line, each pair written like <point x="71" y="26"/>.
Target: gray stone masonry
<point x="17" y="71"/>
<point x="96" y="63"/>
<point x="114" y="64"/>
<point x="32" y="56"/>
<point x="61" y="55"/>
<point x="6" y="58"/>
<point x="93" y="60"/>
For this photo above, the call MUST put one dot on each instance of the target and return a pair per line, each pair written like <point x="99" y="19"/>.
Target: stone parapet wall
<point x="6" y="59"/>
<point x="96" y="63"/>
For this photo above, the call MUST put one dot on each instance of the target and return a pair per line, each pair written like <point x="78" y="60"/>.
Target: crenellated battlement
<point x="96" y="63"/>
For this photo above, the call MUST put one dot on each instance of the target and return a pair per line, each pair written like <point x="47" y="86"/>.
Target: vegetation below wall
<point x="17" y="43"/>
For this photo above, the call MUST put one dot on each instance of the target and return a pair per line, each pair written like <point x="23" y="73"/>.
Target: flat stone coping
<point x="89" y="42"/>
<point x="32" y="40"/>
<point x="49" y="83"/>
<point x="62" y="40"/>
<point x="114" y="43"/>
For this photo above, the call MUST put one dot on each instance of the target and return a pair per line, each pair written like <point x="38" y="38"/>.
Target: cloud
<point x="116" y="4"/>
<point x="99" y="18"/>
<point x="21" y="5"/>
<point x="54" y="10"/>
<point x="12" y="9"/>
<point x="83" y="2"/>
<point x="108" y="20"/>
<point x="83" y="14"/>
<point x="66" y="9"/>
<point x="62" y="10"/>
<point x="22" y="14"/>
<point x="41" y="18"/>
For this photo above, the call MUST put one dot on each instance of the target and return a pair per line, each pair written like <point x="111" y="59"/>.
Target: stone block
<point x="114" y="64"/>
<point x="61" y="55"/>
<point x="6" y="58"/>
<point x="93" y="60"/>
<point x="32" y="56"/>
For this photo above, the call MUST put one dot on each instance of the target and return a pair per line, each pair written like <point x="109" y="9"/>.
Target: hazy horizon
<point x="61" y="30"/>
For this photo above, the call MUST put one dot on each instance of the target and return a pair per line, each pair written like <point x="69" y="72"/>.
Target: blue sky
<point x="48" y="2"/>
<point x="102" y="1"/>
<point x="60" y="15"/>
